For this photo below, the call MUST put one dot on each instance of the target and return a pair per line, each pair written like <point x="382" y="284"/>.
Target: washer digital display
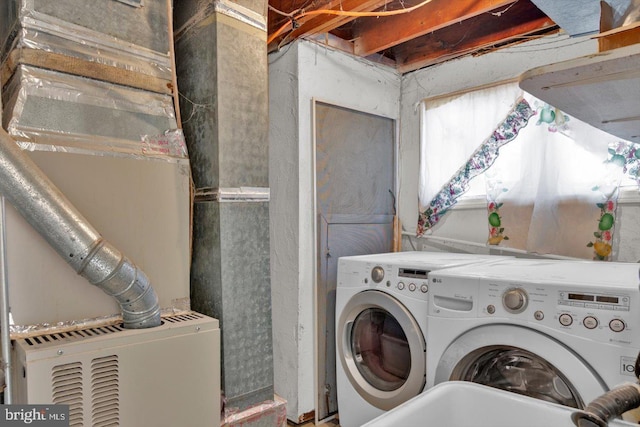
<point x="593" y="300"/>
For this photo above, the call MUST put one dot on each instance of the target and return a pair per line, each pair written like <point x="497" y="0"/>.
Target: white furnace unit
<point x="111" y="376"/>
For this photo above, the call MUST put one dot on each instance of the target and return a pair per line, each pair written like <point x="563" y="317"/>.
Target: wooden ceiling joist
<point x="473" y="35"/>
<point x="410" y="34"/>
<point x="324" y="23"/>
<point x="390" y="31"/>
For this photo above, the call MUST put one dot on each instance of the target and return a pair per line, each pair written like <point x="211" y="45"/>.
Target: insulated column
<point x="221" y="62"/>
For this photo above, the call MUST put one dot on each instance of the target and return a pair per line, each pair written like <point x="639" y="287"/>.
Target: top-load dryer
<point x="561" y="331"/>
<point x="381" y="324"/>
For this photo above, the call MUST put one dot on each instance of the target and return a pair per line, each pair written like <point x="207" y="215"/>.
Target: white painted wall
<point x="298" y="75"/>
<point x="283" y="227"/>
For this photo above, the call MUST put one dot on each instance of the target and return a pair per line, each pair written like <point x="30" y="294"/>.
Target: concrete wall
<point x="299" y="74"/>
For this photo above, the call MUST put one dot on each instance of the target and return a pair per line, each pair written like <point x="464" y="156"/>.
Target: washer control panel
<point x="604" y="301"/>
<point x="605" y="315"/>
<point x="594" y="311"/>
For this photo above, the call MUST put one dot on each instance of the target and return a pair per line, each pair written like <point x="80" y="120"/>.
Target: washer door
<point x="522" y="361"/>
<point x="382" y="349"/>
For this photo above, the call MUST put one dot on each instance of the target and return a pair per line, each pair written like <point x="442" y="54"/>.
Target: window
<point x="453" y="127"/>
<point x="546" y="177"/>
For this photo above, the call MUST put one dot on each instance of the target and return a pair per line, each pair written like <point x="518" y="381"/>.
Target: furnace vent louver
<point x="184" y="317"/>
<point x="67" y="390"/>
<point x="105" y="384"/>
<point x="65" y="337"/>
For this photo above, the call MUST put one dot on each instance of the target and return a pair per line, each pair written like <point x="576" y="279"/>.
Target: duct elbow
<point x="139" y="303"/>
<point x="108" y="269"/>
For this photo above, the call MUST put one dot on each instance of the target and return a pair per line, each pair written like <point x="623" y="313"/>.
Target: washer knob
<point x="590" y="322"/>
<point x="565" y="319"/>
<point x="515" y="300"/>
<point x="377" y="274"/>
<point x="617" y="325"/>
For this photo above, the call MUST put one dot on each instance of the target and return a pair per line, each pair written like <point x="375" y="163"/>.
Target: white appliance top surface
<point x="601" y="89"/>
<point x="426" y="259"/>
<point x="582" y="273"/>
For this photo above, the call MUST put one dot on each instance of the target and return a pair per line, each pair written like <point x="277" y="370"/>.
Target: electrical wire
<point x="293" y="19"/>
<point x="503" y="11"/>
<point x="279" y="12"/>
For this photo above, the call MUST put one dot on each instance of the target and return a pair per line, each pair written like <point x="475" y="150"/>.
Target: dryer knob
<point x="377" y="274"/>
<point x="515" y="300"/>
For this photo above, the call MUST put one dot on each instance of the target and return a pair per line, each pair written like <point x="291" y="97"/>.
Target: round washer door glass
<point x="381" y="349"/>
<point x="520" y="371"/>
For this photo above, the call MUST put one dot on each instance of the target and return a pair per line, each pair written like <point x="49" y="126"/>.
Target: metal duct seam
<point x="242" y="14"/>
<point x="51" y="214"/>
<point x="232" y="194"/>
<point x="228" y="8"/>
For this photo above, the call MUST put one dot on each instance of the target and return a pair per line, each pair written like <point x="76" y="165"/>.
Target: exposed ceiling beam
<point x="472" y="36"/>
<point x="317" y="24"/>
<point x="386" y="32"/>
<point x="434" y="32"/>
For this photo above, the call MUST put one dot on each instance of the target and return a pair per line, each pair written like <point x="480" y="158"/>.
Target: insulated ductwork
<point x="49" y="212"/>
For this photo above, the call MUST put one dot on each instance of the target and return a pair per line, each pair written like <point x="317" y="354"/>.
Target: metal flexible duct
<point x="48" y="211"/>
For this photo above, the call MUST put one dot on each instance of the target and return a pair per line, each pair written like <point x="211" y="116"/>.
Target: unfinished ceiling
<point x="407" y="34"/>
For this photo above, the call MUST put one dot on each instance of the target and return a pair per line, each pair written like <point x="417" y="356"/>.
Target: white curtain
<point x="550" y="190"/>
<point x="562" y="199"/>
<point x="453" y="128"/>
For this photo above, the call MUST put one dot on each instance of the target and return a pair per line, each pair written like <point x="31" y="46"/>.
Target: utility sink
<point x="466" y="404"/>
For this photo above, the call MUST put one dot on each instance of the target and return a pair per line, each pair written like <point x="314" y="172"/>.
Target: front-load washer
<point x="561" y="331"/>
<point x="381" y="316"/>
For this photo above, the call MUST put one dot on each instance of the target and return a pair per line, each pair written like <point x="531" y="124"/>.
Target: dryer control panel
<point x="399" y="280"/>
<point x="407" y="281"/>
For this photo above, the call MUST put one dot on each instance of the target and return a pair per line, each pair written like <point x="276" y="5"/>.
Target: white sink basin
<point x="465" y="404"/>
